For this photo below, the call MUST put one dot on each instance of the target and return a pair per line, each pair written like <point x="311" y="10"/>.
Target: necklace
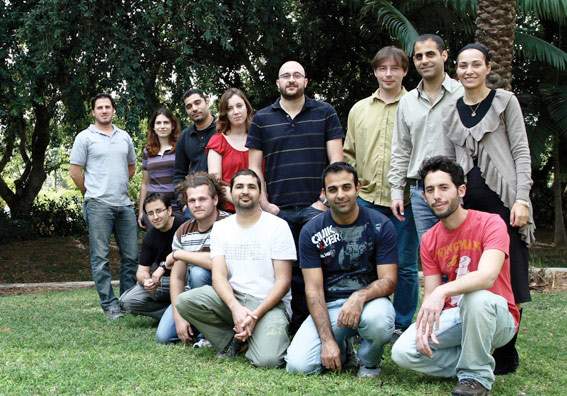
<point x="473" y="110"/>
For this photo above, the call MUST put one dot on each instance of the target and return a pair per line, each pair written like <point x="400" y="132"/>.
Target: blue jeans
<point x="166" y="332"/>
<point x="375" y="329"/>
<point x="407" y="289"/>
<point x="296" y="217"/>
<point x="102" y="220"/>
<point x="467" y="336"/>
<point x="422" y="214"/>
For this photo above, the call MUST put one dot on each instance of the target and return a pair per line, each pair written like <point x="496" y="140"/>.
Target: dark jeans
<point x="296" y="217"/>
<point x="406" y="294"/>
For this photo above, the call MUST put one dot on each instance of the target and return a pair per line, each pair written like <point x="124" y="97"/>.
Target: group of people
<point x="275" y="235"/>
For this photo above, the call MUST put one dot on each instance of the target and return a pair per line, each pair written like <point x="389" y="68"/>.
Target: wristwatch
<point x="162" y="265"/>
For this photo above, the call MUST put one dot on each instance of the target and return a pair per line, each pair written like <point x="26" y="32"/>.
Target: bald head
<point x="291" y="81"/>
<point x="291" y="67"/>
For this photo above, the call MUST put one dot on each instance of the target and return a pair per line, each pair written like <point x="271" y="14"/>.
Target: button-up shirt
<point x="190" y="151"/>
<point x="368" y="145"/>
<point x="418" y="132"/>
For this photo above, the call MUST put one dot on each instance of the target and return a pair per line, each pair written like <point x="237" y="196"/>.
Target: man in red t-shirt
<point x="461" y="321"/>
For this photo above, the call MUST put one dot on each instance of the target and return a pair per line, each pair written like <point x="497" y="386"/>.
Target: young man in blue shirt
<point x="349" y="262"/>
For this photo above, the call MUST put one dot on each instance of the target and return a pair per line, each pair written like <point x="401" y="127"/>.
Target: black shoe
<point x="469" y="387"/>
<point x="395" y="335"/>
<point x="233" y="348"/>
<point x="113" y="313"/>
<point x="351" y="362"/>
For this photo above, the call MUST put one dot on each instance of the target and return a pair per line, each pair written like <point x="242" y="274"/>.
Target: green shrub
<point x="54" y="216"/>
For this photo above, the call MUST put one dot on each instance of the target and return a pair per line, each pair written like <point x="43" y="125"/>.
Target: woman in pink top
<point x="227" y="153"/>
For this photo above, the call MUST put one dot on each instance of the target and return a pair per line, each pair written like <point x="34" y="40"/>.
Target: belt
<point x="415" y="182"/>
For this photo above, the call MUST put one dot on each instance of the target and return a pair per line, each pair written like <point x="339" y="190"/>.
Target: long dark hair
<point x="152" y="145"/>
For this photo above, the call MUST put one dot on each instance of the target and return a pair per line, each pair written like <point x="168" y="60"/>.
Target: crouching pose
<point x="190" y="261"/>
<point x="150" y="295"/>
<point x="464" y="319"/>
<point x="348" y="256"/>
<point x="248" y="306"/>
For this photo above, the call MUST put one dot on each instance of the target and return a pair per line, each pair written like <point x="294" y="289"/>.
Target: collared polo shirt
<point x="294" y="149"/>
<point x="105" y="159"/>
<point x="190" y="151"/>
<point x="368" y="145"/>
<point x="418" y="132"/>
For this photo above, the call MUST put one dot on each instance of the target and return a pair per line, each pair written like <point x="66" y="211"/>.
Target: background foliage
<point x="56" y="54"/>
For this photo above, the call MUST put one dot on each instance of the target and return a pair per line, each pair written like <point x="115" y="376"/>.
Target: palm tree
<point x="496" y="25"/>
<point x="392" y="16"/>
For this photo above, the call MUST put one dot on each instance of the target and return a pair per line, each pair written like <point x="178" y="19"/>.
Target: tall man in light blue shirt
<point x="102" y="162"/>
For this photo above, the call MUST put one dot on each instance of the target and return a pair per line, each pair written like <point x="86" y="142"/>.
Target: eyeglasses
<point x="287" y="76"/>
<point x="156" y="212"/>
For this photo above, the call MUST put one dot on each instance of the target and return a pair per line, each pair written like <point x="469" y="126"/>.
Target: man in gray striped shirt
<point x="190" y="259"/>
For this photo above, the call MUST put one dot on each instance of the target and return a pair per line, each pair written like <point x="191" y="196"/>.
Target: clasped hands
<point x="153" y="282"/>
<point x="244" y="322"/>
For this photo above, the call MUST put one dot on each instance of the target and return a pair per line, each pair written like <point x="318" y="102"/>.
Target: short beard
<point x="246" y="209"/>
<point x="450" y="210"/>
<point x="297" y="95"/>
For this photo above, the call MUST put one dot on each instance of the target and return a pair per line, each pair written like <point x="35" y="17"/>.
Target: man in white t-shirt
<point x="248" y="306"/>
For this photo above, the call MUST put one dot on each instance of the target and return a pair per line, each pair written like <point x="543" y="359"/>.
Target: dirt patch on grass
<point x="57" y="259"/>
<point x="66" y="259"/>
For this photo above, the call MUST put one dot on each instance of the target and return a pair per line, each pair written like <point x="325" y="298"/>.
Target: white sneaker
<point x="202" y="343"/>
<point x="364" y="372"/>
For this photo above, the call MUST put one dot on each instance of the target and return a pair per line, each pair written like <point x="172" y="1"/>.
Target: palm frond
<point x="534" y="48"/>
<point x="393" y="21"/>
<point x="555" y="97"/>
<point x="539" y="136"/>
<point x="554" y="10"/>
<point x="465" y="7"/>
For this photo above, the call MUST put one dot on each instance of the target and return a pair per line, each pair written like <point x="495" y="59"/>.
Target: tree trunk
<point x="559" y="233"/>
<point x="496" y="26"/>
<point x="29" y="184"/>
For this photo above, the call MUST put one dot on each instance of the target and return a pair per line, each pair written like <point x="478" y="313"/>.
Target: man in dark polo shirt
<point x="296" y="137"/>
<point x="190" y="150"/>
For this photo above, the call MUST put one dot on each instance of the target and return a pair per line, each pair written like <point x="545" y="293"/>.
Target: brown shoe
<point x="470" y="387"/>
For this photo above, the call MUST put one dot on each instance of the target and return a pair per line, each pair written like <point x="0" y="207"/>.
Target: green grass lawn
<point x="60" y="343"/>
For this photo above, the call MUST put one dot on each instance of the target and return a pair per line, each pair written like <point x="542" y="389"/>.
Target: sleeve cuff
<point x="397" y="194"/>
<point x="523" y="195"/>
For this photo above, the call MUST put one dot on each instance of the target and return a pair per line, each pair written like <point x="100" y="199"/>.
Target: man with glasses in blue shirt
<point x="290" y="143"/>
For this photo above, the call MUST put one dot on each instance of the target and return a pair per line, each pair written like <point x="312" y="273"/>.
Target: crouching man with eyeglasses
<point x="150" y="295"/>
